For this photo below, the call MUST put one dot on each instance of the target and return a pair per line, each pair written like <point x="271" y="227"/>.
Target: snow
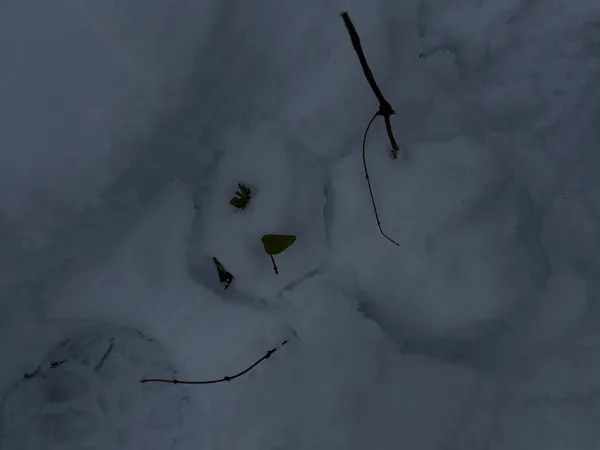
<point x="125" y="128"/>
<point x="127" y="282"/>
<point x="88" y="386"/>
<point x="570" y="241"/>
<point x="465" y="233"/>
<point x="84" y="87"/>
<point x="273" y="164"/>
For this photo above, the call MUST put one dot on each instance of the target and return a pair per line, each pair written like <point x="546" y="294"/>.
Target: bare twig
<point x="220" y="380"/>
<point x="385" y="109"/>
<point x="364" y="156"/>
<point x="274" y="265"/>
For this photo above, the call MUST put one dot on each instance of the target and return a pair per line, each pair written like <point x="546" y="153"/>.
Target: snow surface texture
<point x="284" y="201"/>
<point x="466" y="233"/>
<point x="88" y="387"/>
<point x="124" y="130"/>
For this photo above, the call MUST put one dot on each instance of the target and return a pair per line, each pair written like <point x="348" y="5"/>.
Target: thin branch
<point x="388" y="127"/>
<point x="385" y="108"/>
<point x="220" y="380"/>
<point x="355" y="38"/>
<point x="364" y="155"/>
<point x="274" y="265"/>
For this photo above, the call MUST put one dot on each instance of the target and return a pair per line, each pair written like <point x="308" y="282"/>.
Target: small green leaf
<point x="242" y="197"/>
<point x="225" y="277"/>
<point x="237" y="202"/>
<point x="245" y="191"/>
<point x="277" y="243"/>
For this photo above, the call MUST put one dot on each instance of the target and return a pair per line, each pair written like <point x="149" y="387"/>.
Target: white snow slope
<point x="125" y="128"/>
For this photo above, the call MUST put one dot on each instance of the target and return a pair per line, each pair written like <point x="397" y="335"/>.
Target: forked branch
<point x="385" y="108"/>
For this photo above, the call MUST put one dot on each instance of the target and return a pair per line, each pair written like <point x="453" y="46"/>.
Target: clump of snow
<point x="288" y="197"/>
<point x="468" y="253"/>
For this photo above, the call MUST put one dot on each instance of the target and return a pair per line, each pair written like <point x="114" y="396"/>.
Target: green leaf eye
<point x="277" y="243"/>
<point x="225" y="277"/>
<point x="242" y="197"/>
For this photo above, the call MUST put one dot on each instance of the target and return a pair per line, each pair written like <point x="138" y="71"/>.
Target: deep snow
<point x="124" y="130"/>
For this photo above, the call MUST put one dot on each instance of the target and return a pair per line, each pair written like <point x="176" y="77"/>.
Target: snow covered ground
<point x="125" y="128"/>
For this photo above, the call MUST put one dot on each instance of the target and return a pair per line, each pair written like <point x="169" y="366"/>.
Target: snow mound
<point x="287" y="198"/>
<point x="469" y="250"/>
<point x="86" y="392"/>
<point x="360" y="391"/>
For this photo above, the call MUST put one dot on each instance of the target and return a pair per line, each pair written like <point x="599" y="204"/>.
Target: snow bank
<point x="468" y="253"/>
<point x="287" y="198"/>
